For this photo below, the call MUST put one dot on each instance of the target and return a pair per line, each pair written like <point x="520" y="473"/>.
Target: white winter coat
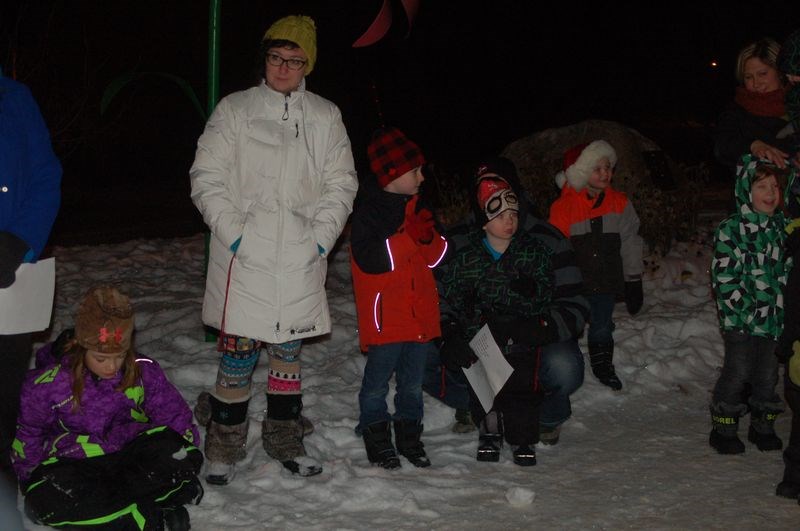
<point x="278" y="172"/>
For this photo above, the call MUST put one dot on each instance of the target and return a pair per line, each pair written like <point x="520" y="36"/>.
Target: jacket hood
<point x="745" y="173"/>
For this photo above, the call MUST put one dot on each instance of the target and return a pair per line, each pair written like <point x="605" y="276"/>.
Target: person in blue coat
<point x="30" y="183"/>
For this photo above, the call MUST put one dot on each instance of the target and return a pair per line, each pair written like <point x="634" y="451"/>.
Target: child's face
<point x="105" y="366"/>
<point x="503" y="226"/>
<point x="601" y="176"/>
<point x="408" y="183"/>
<point x="766" y="195"/>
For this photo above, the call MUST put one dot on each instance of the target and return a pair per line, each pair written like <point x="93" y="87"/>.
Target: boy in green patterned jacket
<point x="749" y="273"/>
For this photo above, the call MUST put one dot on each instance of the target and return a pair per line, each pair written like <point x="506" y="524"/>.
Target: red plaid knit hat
<point x="391" y="154"/>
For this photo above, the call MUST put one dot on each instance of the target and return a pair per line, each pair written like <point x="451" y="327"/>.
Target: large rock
<point x="663" y="193"/>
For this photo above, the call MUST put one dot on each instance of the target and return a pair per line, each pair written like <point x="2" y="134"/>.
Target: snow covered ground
<point x="636" y="459"/>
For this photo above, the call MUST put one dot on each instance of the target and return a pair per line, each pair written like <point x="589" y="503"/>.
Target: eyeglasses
<point x="293" y="63"/>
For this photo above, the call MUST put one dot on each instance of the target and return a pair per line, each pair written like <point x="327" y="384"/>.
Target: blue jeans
<point x="560" y="374"/>
<point x="601" y="324"/>
<point x="748" y="359"/>
<point x="407" y="362"/>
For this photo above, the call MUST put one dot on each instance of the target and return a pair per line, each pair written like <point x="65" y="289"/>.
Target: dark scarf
<point x="762" y="103"/>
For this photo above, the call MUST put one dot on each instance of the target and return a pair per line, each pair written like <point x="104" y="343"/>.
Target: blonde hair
<point x="765" y="49"/>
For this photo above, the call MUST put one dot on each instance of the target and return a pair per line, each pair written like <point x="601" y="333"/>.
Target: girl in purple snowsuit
<point x="103" y="438"/>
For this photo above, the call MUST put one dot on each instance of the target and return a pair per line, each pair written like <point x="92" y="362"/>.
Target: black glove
<point x="633" y="296"/>
<point x="455" y="351"/>
<point x="12" y="251"/>
<point x="536" y="331"/>
<point x="523" y="285"/>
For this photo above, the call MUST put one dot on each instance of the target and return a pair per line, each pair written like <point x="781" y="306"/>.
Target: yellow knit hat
<point x="300" y="30"/>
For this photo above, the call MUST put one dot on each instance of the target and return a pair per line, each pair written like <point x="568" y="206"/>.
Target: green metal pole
<point x="213" y="95"/>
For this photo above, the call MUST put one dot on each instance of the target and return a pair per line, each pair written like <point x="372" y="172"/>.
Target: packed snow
<point x="638" y="458"/>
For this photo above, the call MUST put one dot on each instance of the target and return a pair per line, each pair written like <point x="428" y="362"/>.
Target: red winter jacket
<point x="395" y="291"/>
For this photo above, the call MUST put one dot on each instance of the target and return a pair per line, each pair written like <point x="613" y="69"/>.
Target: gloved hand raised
<point x="12" y="251"/>
<point x="455" y="351"/>
<point x="419" y="225"/>
<point x="633" y="296"/>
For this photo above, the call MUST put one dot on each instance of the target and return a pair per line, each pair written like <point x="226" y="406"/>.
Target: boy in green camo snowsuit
<point x="749" y="273"/>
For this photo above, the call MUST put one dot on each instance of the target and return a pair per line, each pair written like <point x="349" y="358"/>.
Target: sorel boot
<point x="282" y="435"/>
<point x="762" y="429"/>
<point x="490" y="437"/>
<point x="724" y="438"/>
<point x="601" y="356"/>
<point x="378" y="443"/>
<point x="407" y="435"/>
<point x="226" y="436"/>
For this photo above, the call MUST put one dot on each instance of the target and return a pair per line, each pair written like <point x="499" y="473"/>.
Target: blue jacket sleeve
<point x="30" y="171"/>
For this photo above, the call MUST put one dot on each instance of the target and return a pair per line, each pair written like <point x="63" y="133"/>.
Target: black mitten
<point x="633" y="296"/>
<point x="455" y="351"/>
<point x="12" y="251"/>
<point x="536" y="331"/>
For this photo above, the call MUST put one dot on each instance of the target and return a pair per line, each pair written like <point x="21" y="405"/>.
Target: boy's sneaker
<point x="524" y="455"/>
<point x="489" y="445"/>
<point x="765" y="442"/>
<point x="549" y="434"/>
<point x="727" y="445"/>
<point x="464" y="423"/>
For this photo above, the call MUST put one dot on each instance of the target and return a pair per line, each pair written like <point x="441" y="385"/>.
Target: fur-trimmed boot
<point x="601" y="356"/>
<point x="724" y="436"/>
<point x="378" y="443"/>
<point x="762" y="429"/>
<point x="282" y="434"/>
<point x="407" y="434"/>
<point x="490" y="437"/>
<point x="226" y="436"/>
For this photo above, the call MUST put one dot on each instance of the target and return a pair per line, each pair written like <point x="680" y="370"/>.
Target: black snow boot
<point x="724" y="438"/>
<point x="407" y="435"/>
<point x="601" y="356"/>
<point x="490" y="437"/>
<point x="378" y="442"/>
<point x="762" y="429"/>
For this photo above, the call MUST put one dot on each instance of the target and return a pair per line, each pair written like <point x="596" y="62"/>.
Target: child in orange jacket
<point x="603" y="227"/>
<point x="394" y="246"/>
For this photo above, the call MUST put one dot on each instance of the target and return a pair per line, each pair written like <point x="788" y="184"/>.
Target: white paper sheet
<point x="487" y="375"/>
<point x="27" y="304"/>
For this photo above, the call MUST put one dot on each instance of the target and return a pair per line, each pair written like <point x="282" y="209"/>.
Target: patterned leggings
<point x="239" y="359"/>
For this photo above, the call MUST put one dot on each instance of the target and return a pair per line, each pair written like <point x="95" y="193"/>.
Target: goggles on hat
<point x="499" y="202"/>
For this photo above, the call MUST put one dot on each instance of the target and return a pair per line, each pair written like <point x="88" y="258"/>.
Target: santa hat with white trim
<point x="580" y="161"/>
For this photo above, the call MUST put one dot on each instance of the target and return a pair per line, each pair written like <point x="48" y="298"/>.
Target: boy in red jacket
<point x="394" y="246"/>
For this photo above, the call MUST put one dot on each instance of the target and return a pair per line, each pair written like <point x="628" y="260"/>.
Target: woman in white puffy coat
<point x="274" y="180"/>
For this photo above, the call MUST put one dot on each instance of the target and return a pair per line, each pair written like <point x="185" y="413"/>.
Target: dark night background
<point x="470" y="78"/>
